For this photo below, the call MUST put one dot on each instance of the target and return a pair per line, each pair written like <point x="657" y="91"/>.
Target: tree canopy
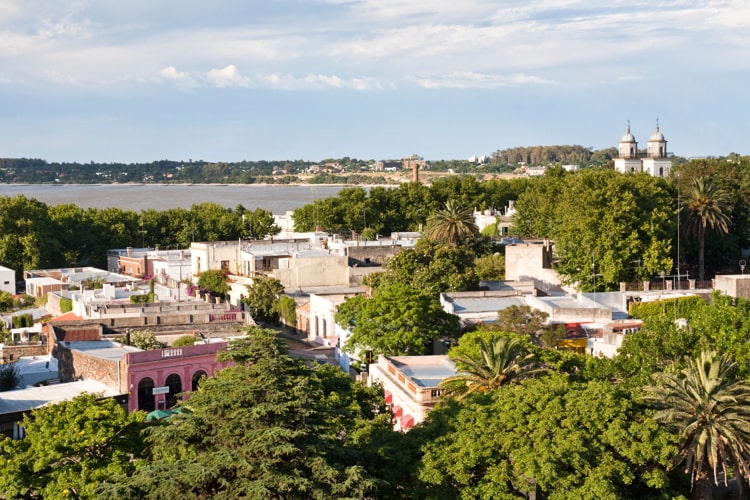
<point x="397" y="320"/>
<point x="607" y="227"/>
<point x="268" y="427"/>
<point x="548" y="437"/>
<point x="70" y="449"/>
<point x="264" y="296"/>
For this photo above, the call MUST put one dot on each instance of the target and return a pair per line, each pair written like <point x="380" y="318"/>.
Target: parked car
<point x="511" y="241"/>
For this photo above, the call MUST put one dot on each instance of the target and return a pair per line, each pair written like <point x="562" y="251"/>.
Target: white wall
<point x="7" y="280"/>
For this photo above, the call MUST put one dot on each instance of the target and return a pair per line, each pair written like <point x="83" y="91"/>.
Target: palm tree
<point x="451" y="224"/>
<point x="707" y="207"/>
<point x="710" y="409"/>
<point x="499" y="361"/>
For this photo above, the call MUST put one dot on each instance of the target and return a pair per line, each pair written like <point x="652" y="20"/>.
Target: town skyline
<point x="366" y="79"/>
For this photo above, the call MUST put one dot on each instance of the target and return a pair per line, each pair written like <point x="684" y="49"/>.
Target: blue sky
<point x="231" y="80"/>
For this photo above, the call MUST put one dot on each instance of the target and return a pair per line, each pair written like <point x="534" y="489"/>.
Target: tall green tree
<point x="268" y="427"/>
<point x="547" y="437"/>
<point x="451" y="224"/>
<point x="607" y="227"/>
<point x="263" y="297"/>
<point x="709" y="408"/>
<point x="26" y="234"/>
<point x="257" y="224"/>
<point x="432" y="267"/>
<point x="706" y="208"/>
<point x="70" y="449"/>
<point x="397" y="320"/>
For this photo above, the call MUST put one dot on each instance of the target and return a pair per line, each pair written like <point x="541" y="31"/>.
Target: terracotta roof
<point x="69" y="316"/>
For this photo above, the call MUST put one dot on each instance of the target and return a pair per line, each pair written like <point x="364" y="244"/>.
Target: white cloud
<point x="180" y="78"/>
<point x="478" y="81"/>
<point x="320" y="82"/>
<point x="228" y="76"/>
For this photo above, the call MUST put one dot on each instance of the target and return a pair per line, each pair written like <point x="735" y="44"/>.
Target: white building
<point x="323" y="308"/>
<point x="7" y="280"/>
<point x="411" y="385"/>
<point x="655" y="162"/>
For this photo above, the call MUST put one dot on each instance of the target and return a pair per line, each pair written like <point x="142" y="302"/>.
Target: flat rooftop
<point x="34" y="397"/>
<point x="425" y="371"/>
<point x="104" y="349"/>
<point x="485" y="304"/>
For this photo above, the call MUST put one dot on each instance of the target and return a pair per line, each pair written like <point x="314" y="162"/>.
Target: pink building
<point x="155" y="378"/>
<point x="151" y="379"/>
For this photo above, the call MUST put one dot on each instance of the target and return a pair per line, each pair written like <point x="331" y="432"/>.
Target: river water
<point x="138" y="197"/>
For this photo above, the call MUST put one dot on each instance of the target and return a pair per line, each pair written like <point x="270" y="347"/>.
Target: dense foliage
<point x="397" y="320"/>
<point x="268" y="427"/>
<point x="70" y="448"/>
<point x="263" y="298"/>
<point x="607" y="227"/>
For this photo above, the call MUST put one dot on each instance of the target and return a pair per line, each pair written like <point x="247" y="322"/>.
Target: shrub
<point x="185" y="340"/>
<point x="144" y="339"/>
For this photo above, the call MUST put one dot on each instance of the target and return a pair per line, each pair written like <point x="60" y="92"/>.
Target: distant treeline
<point x="544" y="155"/>
<point x="34" y="171"/>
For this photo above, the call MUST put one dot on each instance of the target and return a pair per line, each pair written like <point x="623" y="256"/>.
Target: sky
<point x="232" y="80"/>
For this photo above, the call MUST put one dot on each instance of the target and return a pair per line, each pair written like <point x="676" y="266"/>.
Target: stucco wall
<point x="314" y="271"/>
<point x="532" y="261"/>
<point x="734" y="285"/>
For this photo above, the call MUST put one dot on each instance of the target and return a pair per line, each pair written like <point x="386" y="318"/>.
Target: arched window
<point x="175" y="387"/>
<point x="146" y="395"/>
<point x="197" y="377"/>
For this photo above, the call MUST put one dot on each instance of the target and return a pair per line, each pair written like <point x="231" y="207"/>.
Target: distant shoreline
<point x="186" y="184"/>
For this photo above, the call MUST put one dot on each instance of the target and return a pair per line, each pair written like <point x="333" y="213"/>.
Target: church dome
<point x="628" y="137"/>
<point x="657" y="136"/>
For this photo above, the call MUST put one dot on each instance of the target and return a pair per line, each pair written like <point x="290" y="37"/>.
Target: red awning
<point x="388" y="398"/>
<point x="407" y="422"/>
<point x="397" y="411"/>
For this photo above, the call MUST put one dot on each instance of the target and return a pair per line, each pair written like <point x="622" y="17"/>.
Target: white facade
<point x="323" y="310"/>
<point x="411" y="385"/>
<point x="7" y="280"/>
<point x="655" y="162"/>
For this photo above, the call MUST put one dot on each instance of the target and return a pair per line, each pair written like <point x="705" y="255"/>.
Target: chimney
<point x="130" y="251"/>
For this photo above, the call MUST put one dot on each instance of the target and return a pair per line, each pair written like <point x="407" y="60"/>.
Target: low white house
<point x="411" y="385"/>
<point x="7" y="280"/>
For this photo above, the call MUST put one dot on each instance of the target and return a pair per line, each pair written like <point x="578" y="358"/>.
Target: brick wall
<point x="76" y="365"/>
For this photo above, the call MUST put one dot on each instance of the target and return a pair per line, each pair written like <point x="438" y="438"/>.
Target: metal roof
<point x="28" y="399"/>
